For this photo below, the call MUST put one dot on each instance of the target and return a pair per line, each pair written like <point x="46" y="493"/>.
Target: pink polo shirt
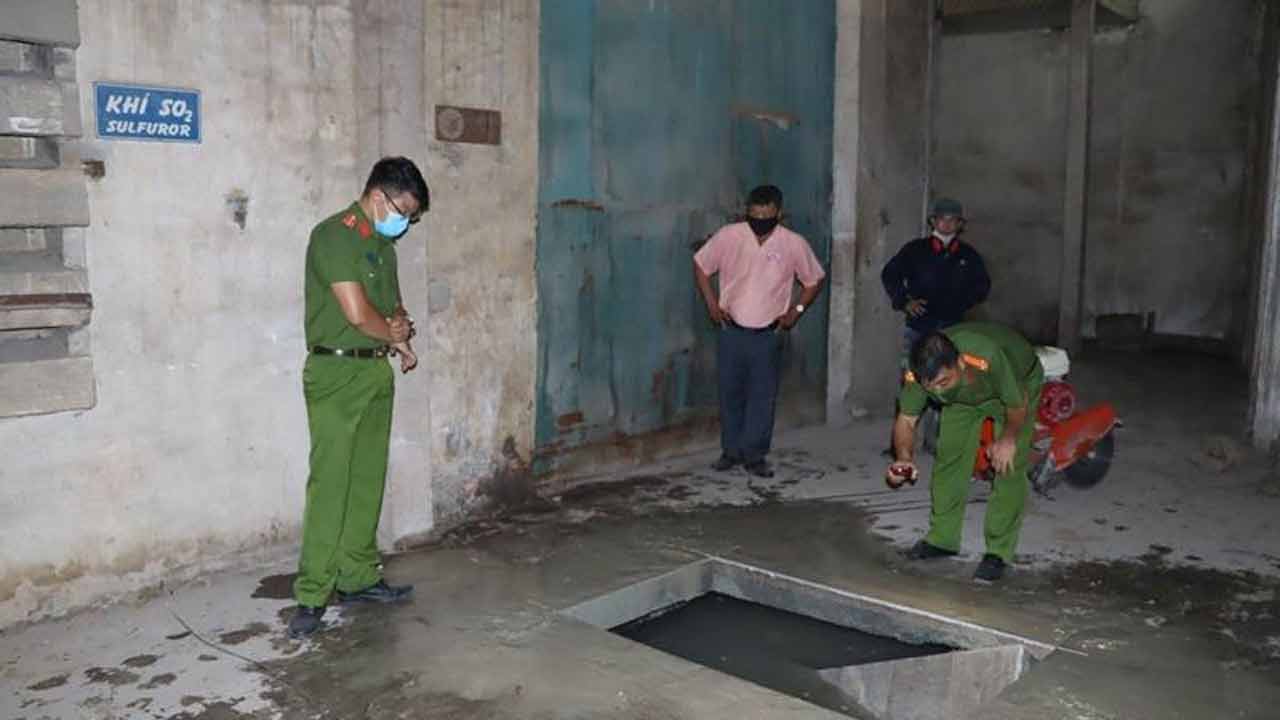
<point x="756" y="279"/>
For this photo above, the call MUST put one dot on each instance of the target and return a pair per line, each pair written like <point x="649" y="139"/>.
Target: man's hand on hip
<point x="916" y="307"/>
<point x="788" y="320"/>
<point x="717" y="314"/>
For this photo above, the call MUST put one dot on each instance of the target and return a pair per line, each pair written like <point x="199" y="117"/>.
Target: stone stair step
<point x="46" y="386"/>
<point x="43" y="198"/>
<point x="31" y="312"/>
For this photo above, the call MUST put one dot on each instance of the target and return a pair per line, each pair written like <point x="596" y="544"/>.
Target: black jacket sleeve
<point x="892" y="277"/>
<point x="980" y="288"/>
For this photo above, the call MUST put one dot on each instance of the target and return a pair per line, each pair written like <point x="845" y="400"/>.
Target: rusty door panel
<point x="655" y="119"/>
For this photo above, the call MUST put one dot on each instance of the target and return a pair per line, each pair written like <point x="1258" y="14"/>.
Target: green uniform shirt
<point x="345" y="248"/>
<point x="1012" y="370"/>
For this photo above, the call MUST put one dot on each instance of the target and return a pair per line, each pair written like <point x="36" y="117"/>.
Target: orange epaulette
<point x="975" y="362"/>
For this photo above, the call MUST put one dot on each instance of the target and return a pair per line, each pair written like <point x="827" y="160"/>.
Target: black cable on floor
<point x="259" y="665"/>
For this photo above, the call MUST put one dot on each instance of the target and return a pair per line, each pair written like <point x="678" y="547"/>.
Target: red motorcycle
<point x="1070" y="446"/>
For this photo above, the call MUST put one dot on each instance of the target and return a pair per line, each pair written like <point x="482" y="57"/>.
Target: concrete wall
<point x="1172" y="102"/>
<point x="882" y="106"/>
<point x="999" y="147"/>
<point x="1172" y="106"/>
<point x="198" y="445"/>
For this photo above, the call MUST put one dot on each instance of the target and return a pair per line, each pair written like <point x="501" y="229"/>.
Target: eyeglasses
<point x="412" y="218"/>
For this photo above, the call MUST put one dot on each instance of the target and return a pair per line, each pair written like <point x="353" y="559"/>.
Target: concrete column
<point x="1264" y="407"/>
<point x="888" y="190"/>
<point x="389" y="80"/>
<point x="1083" y="15"/>
<point x="482" y="319"/>
<point x="844" y="208"/>
<point x="1264" y="360"/>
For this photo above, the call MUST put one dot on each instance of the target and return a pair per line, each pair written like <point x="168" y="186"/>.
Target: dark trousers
<point x="748" y="364"/>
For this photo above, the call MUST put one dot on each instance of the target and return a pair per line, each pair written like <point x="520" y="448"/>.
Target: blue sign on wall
<point x="139" y="112"/>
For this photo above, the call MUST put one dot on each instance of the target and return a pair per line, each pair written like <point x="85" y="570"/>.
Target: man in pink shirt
<point x="758" y="262"/>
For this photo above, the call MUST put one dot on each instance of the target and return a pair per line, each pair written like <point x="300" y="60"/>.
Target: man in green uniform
<point x="354" y="321"/>
<point x="974" y="371"/>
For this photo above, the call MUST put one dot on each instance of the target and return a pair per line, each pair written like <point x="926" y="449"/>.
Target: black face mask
<point x="762" y="226"/>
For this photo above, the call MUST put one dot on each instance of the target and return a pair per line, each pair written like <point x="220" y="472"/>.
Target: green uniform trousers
<point x="349" y="415"/>
<point x="953" y="467"/>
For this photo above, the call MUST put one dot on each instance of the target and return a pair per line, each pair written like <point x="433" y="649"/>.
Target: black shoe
<point x="760" y="469"/>
<point x="724" y="463"/>
<point x="379" y="592"/>
<point x="305" y="621"/>
<point x="924" y="551"/>
<point x="990" y="569"/>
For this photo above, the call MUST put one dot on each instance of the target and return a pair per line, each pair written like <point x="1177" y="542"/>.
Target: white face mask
<point x="946" y="239"/>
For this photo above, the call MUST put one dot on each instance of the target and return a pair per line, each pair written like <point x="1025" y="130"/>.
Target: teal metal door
<point x="656" y="118"/>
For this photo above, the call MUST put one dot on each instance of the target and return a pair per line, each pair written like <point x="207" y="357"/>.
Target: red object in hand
<point x="900" y="474"/>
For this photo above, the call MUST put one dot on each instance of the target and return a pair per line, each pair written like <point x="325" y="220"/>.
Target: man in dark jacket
<point x="934" y="281"/>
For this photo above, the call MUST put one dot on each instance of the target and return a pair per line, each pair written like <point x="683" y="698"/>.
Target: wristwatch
<point x="799" y="308"/>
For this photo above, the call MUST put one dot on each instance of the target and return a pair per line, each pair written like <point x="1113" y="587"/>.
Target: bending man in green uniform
<point x="974" y="371"/>
<point x="354" y="321"/>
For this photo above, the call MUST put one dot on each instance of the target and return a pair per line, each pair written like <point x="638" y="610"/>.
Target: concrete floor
<point x="1160" y="585"/>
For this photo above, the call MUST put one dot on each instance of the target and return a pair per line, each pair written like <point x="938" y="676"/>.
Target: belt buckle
<point x="339" y="352"/>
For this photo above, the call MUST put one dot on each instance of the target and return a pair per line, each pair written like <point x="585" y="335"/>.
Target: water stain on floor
<point x="275" y="587"/>
<point x="140" y="661"/>
<point x="50" y="683"/>
<point x="158" y="681"/>
<point x="110" y="676"/>
<point x="681" y="492"/>
<point x="213" y="711"/>
<point x="594" y="491"/>
<point x="766" y="494"/>
<point x="252" y="630"/>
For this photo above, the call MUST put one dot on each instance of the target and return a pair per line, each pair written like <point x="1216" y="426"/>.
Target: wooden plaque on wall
<point x="468" y="125"/>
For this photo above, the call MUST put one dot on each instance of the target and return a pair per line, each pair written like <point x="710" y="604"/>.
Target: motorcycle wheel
<point x="1090" y="469"/>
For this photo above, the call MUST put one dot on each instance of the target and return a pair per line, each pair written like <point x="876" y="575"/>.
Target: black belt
<point x="767" y="328"/>
<point x="363" y="353"/>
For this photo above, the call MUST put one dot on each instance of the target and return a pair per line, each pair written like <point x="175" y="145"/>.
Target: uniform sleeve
<point x="1007" y="384"/>
<point x="711" y="255"/>
<point x="334" y="257"/>
<point x="912" y="399"/>
<point x="808" y="268"/>
<point x="395" y="276"/>
<point x="894" y="282"/>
